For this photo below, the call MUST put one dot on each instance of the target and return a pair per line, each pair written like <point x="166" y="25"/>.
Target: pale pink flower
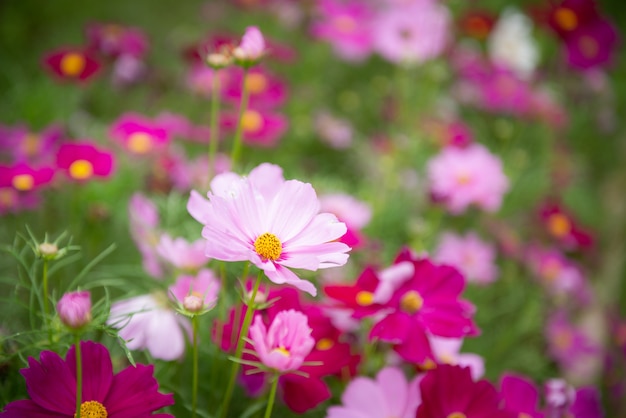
<point x="412" y="33"/>
<point x="469" y="176"/>
<point x="74" y="309"/>
<point x="286" y="343"/>
<point x="204" y="285"/>
<point x="447" y="351"/>
<point x="354" y="213"/>
<point x="470" y="255"/>
<point x="182" y="254"/>
<point x="147" y="322"/>
<point x="275" y="228"/>
<point x="144" y="222"/>
<point x="389" y="395"/>
<point x="334" y="131"/>
<point x="252" y="46"/>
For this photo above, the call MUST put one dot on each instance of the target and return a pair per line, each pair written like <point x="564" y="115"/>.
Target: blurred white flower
<point x="511" y="43"/>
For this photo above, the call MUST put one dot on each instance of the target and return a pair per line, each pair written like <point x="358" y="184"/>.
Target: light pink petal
<point x="293" y="207"/>
<point x="324" y="227"/>
<point x="282" y="275"/>
<point x="474" y="362"/>
<point x="394" y="387"/>
<point x="165" y="339"/>
<point x="343" y="412"/>
<point x="365" y="396"/>
<point x="198" y="207"/>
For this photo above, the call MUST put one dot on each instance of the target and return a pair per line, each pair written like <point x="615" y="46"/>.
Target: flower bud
<point x="74" y="309"/>
<point x="48" y="250"/>
<point x="193" y="303"/>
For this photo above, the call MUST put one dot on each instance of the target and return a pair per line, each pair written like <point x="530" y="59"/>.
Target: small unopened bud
<point x="193" y="303"/>
<point x="218" y="60"/>
<point x="48" y="249"/>
<point x="74" y="309"/>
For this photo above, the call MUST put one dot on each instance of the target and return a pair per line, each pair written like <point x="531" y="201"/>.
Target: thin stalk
<point x="46" y="302"/>
<point x="240" y="345"/>
<point x="234" y="156"/>
<point x="79" y="376"/>
<point x="272" y="397"/>
<point x="215" y="129"/>
<point x="194" y="382"/>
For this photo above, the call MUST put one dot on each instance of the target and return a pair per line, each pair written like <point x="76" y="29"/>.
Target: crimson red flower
<point x="562" y="226"/>
<point x="72" y="64"/>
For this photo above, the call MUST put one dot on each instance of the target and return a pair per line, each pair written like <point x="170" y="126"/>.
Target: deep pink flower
<point x="569" y="15"/>
<point x="562" y="226"/>
<point x="12" y="201"/>
<point x="51" y="384"/>
<point x="412" y="33"/>
<point x="389" y="395"/>
<point x="346" y="26"/>
<point x="74" y="309"/>
<point x="592" y="45"/>
<point x="72" y="64"/>
<point x="285" y="344"/>
<point x="204" y="285"/>
<point x="182" y="254"/>
<point x="568" y="344"/>
<point x="138" y="134"/>
<point x="24" y="145"/>
<point x="275" y="228"/>
<point x="427" y="302"/>
<point x="520" y="395"/>
<point x="449" y="392"/>
<point x="468" y="176"/>
<point x="113" y="40"/>
<point x="262" y="128"/>
<point x="23" y="178"/>
<point x="470" y="255"/>
<point x="265" y="89"/>
<point x="83" y="161"/>
<point x="587" y="404"/>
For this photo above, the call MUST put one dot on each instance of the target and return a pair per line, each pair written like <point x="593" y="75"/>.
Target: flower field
<point x="316" y="208"/>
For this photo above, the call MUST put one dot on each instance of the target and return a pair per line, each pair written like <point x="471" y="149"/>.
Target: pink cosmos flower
<point x="72" y="64"/>
<point x="447" y="351"/>
<point x="285" y="344"/>
<point x="262" y="128"/>
<point x="389" y="395"/>
<point x="139" y="134"/>
<point x="24" y="145"/>
<point x="182" y="254"/>
<point x="449" y="391"/>
<point x="334" y="131"/>
<point x="346" y="26"/>
<point x="562" y="226"/>
<point x="520" y="396"/>
<point x="127" y="69"/>
<point x="148" y="322"/>
<point x="354" y="213"/>
<point x="51" y="384"/>
<point x="412" y="33"/>
<point x="114" y="40"/>
<point x="74" y="309"/>
<point x="144" y="222"/>
<point x="83" y="160"/>
<point x="252" y="47"/>
<point x="473" y="257"/>
<point x="12" y="201"/>
<point x="204" y="285"/>
<point x="265" y="89"/>
<point x="567" y="343"/>
<point x="23" y="178"/>
<point x="276" y="228"/>
<point x="469" y="176"/>
<point x="592" y="45"/>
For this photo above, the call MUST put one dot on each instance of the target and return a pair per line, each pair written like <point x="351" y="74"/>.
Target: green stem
<point x="234" y="156"/>
<point x="46" y="302"/>
<point x="240" y="345"/>
<point x="272" y="397"/>
<point x="215" y="129"/>
<point x="79" y="376"/>
<point x="194" y="382"/>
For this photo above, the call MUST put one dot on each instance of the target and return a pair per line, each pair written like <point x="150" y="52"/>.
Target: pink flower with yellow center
<point x="285" y="344"/>
<point x="260" y="127"/>
<point x="25" y="145"/>
<point x="568" y="343"/>
<point x="23" y="178"/>
<point x="265" y="89"/>
<point x="138" y="134"/>
<point x="592" y="45"/>
<point x="72" y="64"/>
<point x="471" y="255"/>
<point x="182" y="254"/>
<point x="83" y="161"/>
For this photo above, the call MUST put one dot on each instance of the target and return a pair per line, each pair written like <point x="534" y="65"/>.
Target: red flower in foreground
<point x="72" y="64"/>
<point x="449" y="392"/>
<point x="83" y="161"/>
<point x="51" y="384"/>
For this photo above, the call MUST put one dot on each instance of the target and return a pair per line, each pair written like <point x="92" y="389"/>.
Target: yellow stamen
<point x="92" y="409"/>
<point x="268" y="247"/>
<point x="523" y="415"/>
<point x="463" y="178"/>
<point x="72" y="64"/>
<point x="282" y="350"/>
<point x="251" y="121"/>
<point x="456" y="415"/>
<point x="81" y="169"/>
<point x="566" y="18"/>
<point x="256" y="83"/>
<point x="446" y="358"/>
<point x="31" y="143"/>
<point x="559" y="225"/>
<point x="324" y="344"/>
<point x="411" y="302"/>
<point x="428" y="365"/>
<point x="345" y="24"/>
<point x="139" y="142"/>
<point x="23" y="182"/>
<point x="588" y="46"/>
<point x="364" y="298"/>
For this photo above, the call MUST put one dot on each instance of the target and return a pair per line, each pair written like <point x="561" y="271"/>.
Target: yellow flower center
<point x="81" y="169"/>
<point x="446" y="358"/>
<point x="256" y="83"/>
<point x="463" y="178"/>
<point x="563" y="339"/>
<point x="588" y="46"/>
<point x="268" y="247"/>
<point x="251" y="121"/>
<point x="324" y="344"/>
<point x="523" y="415"/>
<point x="566" y="18"/>
<point x="23" y="182"/>
<point x="345" y="24"/>
<point x="428" y="365"/>
<point x="30" y="145"/>
<point x="72" y="64"/>
<point x="411" y="302"/>
<point x="559" y="225"/>
<point x="92" y="409"/>
<point x="139" y="142"/>
<point x="456" y="415"/>
<point x="281" y="350"/>
<point x="364" y="298"/>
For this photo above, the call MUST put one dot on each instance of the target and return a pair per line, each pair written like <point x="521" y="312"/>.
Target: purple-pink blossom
<point x="74" y="309"/>
<point x="470" y="255"/>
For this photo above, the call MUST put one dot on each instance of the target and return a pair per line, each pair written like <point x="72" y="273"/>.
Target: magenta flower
<point x="74" y="309"/>
<point x="265" y="89"/>
<point x="205" y="286"/>
<point x="450" y="392"/>
<point x="285" y="344"/>
<point x="412" y="33"/>
<point x="30" y="147"/>
<point x="469" y="176"/>
<point x="252" y="47"/>
<point x="115" y="40"/>
<point x="139" y="134"/>
<point x="592" y="45"/>
<point x="520" y="396"/>
<point x="51" y="384"/>
<point x="148" y="322"/>
<point x="262" y="128"/>
<point x="83" y="161"/>
<point x="389" y="395"/>
<point x="473" y="257"/>
<point x="72" y="64"/>
<point x="275" y="228"/>
<point x="346" y="26"/>
<point x="182" y="254"/>
<point x="23" y="178"/>
<point x="447" y="351"/>
<point x="12" y="201"/>
<point x="568" y="344"/>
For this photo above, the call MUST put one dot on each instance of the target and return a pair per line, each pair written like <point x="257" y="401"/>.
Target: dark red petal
<point x="97" y="370"/>
<point x="50" y="383"/>
<point x="302" y="393"/>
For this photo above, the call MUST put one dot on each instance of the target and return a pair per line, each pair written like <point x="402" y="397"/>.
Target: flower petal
<point x="97" y="370"/>
<point x="50" y="383"/>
